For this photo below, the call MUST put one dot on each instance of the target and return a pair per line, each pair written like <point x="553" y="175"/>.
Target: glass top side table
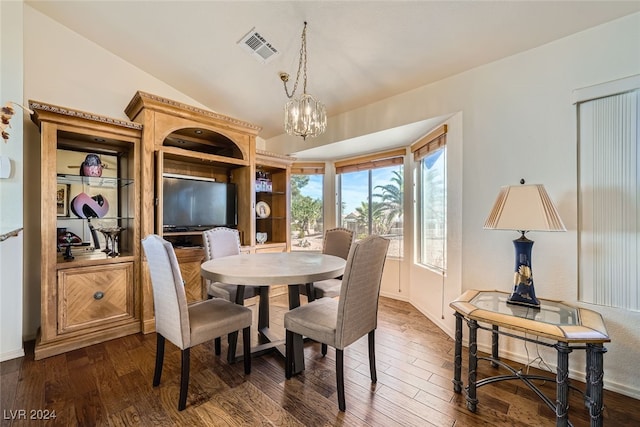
<point x="556" y="324"/>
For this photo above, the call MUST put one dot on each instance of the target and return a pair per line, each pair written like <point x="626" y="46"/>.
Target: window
<point x="431" y="207"/>
<point x="307" y="227"/>
<point x="370" y="196"/>
<point x="609" y="196"/>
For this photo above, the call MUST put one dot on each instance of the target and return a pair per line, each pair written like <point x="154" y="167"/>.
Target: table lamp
<point x="524" y="208"/>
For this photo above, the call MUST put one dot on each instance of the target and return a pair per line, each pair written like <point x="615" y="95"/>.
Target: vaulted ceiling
<point x="359" y="51"/>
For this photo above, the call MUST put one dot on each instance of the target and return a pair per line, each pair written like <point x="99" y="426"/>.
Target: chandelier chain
<point x="303" y="116"/>
<point x="302" y="61"/>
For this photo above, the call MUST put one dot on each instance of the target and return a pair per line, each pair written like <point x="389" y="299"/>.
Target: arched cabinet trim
<point x="202" y="139"/>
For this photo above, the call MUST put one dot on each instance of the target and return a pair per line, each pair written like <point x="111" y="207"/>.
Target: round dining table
<point x="269" y="269"/>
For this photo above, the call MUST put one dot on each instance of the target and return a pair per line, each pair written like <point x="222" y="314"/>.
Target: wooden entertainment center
<point x="95" y="296"/>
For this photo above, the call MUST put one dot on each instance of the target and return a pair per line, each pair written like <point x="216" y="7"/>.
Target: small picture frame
<point x="62" y="200"/>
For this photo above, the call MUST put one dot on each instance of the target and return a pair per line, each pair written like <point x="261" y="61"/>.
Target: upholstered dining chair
<point x="187" y="325"/>
<point x="341" y="322"/>
<point x="220" y="242"/>
<point x="337" y="242"/>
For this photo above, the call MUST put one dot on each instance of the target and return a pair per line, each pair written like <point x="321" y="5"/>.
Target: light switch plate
<point x="5" y="167"/>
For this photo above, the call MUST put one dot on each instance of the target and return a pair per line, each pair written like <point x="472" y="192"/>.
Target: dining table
<point x="270" y="269"/>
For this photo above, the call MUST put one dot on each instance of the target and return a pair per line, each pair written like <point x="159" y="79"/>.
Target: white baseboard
<point x="13" y="354"/>
<point x="439" y="321"/>
<point x="395" y="296"/>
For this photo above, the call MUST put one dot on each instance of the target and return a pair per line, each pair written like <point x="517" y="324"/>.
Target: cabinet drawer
<point x="94" y="296"/>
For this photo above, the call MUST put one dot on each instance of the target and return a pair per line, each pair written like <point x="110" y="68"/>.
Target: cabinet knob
<point x="98" y="295"/>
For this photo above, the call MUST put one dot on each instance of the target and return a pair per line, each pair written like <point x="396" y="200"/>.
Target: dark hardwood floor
<point x="109" y="384"/>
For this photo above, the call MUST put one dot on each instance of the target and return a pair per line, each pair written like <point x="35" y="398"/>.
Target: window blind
<point x="431" y="142"/>
<point x="372" y="161"/>
<point x="609" y="223"/>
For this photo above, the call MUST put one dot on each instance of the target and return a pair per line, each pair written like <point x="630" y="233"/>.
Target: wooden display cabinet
<point x="275" y="197"/>
<point x="186" y="140"/>
<point x="89" y="242"/>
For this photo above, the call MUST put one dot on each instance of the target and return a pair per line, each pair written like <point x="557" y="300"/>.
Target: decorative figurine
<point x="84" y="206"/>
<point x="66" y="239"/>
<point x="92" y="166"/>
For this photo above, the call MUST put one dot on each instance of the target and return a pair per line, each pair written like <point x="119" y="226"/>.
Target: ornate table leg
<point x="473" y="365"/>
<point x="595" y="374"/>
<point x="494" y="346"/>
<point x="457" y="359"/>
<point x="587" y="378"/>
<point x="562" y="385"/>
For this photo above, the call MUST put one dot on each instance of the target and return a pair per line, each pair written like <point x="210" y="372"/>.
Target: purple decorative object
<point x="84" y="206"/>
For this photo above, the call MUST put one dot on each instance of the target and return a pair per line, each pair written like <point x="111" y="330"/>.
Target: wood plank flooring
<point x="109" y="384"/>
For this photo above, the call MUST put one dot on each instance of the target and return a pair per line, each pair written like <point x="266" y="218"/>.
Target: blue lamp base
<point x="523" y="291"/>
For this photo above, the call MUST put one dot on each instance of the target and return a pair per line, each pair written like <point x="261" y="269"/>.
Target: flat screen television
<point x="193" y="204"/>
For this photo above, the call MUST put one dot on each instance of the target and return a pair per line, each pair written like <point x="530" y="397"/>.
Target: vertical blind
<point x="609" y="198"/>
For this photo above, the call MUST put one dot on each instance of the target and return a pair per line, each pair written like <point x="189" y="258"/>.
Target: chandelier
<point x="303" y="116"/>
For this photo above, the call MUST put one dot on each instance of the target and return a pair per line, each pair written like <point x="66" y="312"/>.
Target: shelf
<point x="183" y="233"/>
<point x="270" y="218"/>
<point x="89" y="181"/>
<point x="271" y="193"/>
<point x="84" y="257"/>
<point x="95" y="220"/>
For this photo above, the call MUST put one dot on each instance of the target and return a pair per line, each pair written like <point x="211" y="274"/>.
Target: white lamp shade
<point x="524" y="208"/>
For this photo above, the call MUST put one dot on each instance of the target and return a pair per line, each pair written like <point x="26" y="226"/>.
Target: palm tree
<point x="379" y="218"/>
<point x="392" y="197"/>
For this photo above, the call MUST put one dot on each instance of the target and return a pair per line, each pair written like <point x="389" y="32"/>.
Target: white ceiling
<point x="359" y="51"/>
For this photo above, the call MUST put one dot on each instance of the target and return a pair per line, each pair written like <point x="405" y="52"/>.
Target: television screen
<point x="192" y="204"/>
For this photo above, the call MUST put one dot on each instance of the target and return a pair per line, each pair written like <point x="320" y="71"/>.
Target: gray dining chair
<point x="337" y="242"/>
<point x="220" y="242"/>
<point x="339" y="323"/>
<point x="187" y="325"/>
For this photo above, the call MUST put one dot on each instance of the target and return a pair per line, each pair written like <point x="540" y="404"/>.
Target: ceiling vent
<point x="258" y="46"/>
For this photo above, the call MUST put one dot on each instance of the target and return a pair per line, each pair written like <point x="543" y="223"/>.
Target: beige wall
<point x="514" y="116"/>
<point x="11" y="275"/>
